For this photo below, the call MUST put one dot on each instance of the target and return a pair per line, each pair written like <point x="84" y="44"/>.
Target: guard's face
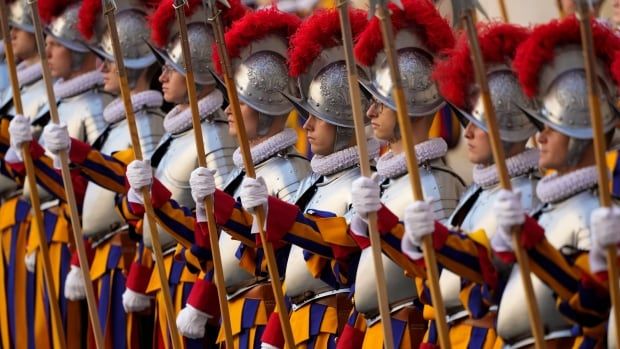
<point x="58" y="58"/>
<point x="478" y="145"/>
<point x="173" y="85"/>
<point x="615" y="15"/>
<point x="250" y="121"/>
<point x="111" y="80"/>
<point x="553" y="149"/>
<point x="23" y="43"/>
<point x="321" y="135"/>
<point x="382" y="120"/>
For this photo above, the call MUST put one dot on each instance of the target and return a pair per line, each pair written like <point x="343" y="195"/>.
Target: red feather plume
<point x="90" y="10"/>
<point x="538" y="50"/>
<point x="419" y="15"/>
<point x="49" y="9"/>
<point x="317" y="33"/>
<point x="455" y="73"/>
<point x="255" y="26"/>
<point x="163" y="17"/>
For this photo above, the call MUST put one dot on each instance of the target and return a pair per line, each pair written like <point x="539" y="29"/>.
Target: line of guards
<point x="316" y="210"/>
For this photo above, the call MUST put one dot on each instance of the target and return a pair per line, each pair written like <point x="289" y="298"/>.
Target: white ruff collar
<point x="27" y="74"/>
<point x="77" y="85"/>
<point x="520" y="164"/>
<point x="178" y="120"/>
<point x="267" y="148"/>
<point x="392" y="166"/>
<point x="341" y="160"/>
<point x="555" y="188"/>
<point x="115" y="111"/>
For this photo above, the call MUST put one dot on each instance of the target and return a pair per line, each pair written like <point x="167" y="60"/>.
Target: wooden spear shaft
<point x="244" y="145"/>
<point x="599" y="151"/>
<point x="414" y="175"/>
<point x="202" y="162"/>
<point x="504" y="178"/>
<point x="76" y="227"/>
<point x="109" y="12"/>
<point x="504" y="11"/>
<point x="362" y="149"/>
<point x="30" y="177"/>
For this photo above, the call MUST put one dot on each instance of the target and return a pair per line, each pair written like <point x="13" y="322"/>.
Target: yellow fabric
<point x="236" y="315"/>
<point x="100" y="261"/>
<point x="480" y="236"/>
<point x="300" y="322"/>
<point x="460" y="337"/>
<point x="334" y="231"/>
<point x="374" y="337"/>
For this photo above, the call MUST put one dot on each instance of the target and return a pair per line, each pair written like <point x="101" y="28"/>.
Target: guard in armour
<point x="420" y="34"/>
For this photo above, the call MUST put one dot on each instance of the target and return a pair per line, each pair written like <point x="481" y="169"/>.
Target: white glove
<point x="419" y="221"/>
<point x="510" y="213"/>
<point x="139" y="174"/>
<point x="253" y="193"/>
<point x="134" y="302"/>
<point x="202" y="183"/>
<point x="75" y="289"/>
<point x="56" y="137"/>
<point x="264" y="345"/>
<point x="366" y="195"/>
<point x="19" y="130"/>
<point x="191" y="322"/>
<point x="31" y="261"/>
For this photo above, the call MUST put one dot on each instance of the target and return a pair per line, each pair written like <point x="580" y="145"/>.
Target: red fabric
<point x="342" y="253"/>
<point x="90" y="12"/>
<point x="428" y="346"/>
<point x="440" y="235"/>
<point x="204" y="298"/>
<point x="90" y="254"/>
<point x="386" y="220"/>
<point x="350" y="338"/>
<point x="159" y="194"/>
<point x="539" y="49"/>
<point x="78" y="152"/>
<point x="419" y="15"/>
<point x="49" y="9"/>
<point x="255" y="26"/>
<point x="361" y="241"/>
<point x="531" y="233"/>
<point x="224" y="205"/>
<point x="455" y="74"/>
<point x="318" y="33"/>
<point x="138" y="277"/>
<point x="273" y="332"/>
<point x="201" y="235"/>
<point x="281" y="217"/>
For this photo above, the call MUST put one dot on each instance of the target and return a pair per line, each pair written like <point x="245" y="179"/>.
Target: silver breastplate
<point x="83" y="115"/>
<point x="481" y="216"/>
<point x="4" y="76"/>
<point x="442" y="185"/>
<point x="180" y="159"/>
<point x="34" y="101"/>
<point x="566" y="224"/>
<point x="332" y="195"/>
<point x="99" y="214"/>
<point x="282" y="176"/>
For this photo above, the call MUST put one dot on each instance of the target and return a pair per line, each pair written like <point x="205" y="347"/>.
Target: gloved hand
<point x="605" y="231"/>
<point x="202" y="184"/>
<point x="31" y="261"/>
<point x="134" y="302"/>
<point x="419" y="221"/>
<point x="510" y="214"/>
<point x="191" y="322"/>
<point x="366" y="196"/>
<point x="20" y="131"/>
<point x="253" y="193"/>
<point x="75" y="289"/>
<point x="139" y="174"/>
<point x="56" y="137"/>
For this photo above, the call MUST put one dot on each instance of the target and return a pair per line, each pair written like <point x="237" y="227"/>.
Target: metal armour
<point x="439" y="182"/>
<point x="64" y="30"/>
<point x="20" y="16"/>
<point x="506" y="96"/>
<point x="83" y="115"/>
<point x="563" y="93"/>
<point x="261" y="74"/>
<point x="180" y="159"/>
<point x="282" y="174"/>
<point x="481" y="215"/>
<point x="416" y="66"/>
<point x="332" y="195"/>
<point x="566" y="225"/>
<point x="133" y="31"/>
<point x="99" y="214"/>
